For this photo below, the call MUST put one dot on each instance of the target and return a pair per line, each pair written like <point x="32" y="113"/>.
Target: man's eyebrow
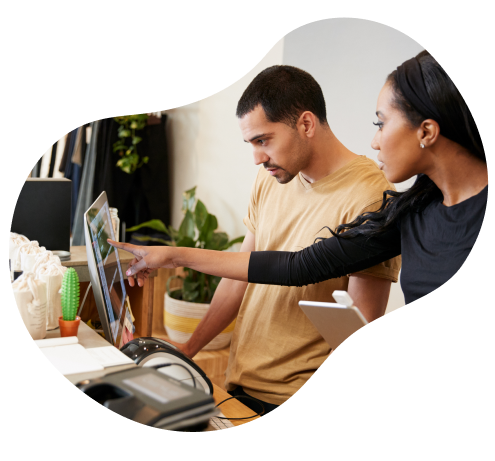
<point x="258" y="136"/>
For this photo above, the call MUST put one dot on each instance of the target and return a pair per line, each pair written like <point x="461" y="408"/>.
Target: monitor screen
<point x="106" y="274"/>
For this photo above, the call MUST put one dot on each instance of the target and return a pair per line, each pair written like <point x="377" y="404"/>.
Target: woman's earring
<point x="422" y="146"/>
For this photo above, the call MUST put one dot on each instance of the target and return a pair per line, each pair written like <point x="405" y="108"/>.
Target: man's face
<point x="281" y="149"/>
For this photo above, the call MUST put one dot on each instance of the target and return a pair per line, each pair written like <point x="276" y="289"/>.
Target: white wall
<point x="207" y="149"/>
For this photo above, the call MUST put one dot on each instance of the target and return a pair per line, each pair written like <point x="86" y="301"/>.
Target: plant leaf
<point x="185" y="242"/>
<point x="218" y="241"/>
<point x="233" y="242"/>
<point x="200" y="214"/>
<point x="155" y="224"/>
<point x="188" y="199"/>
<point x="173" y="277"/>
<point x="186" y="228"/>
<point x="147" y="238"/>
<point x="208" y="228"/>
<point x="124" y="133"/>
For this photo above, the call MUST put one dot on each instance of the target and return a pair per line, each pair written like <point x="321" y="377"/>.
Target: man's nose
<point x="260" y="157"/>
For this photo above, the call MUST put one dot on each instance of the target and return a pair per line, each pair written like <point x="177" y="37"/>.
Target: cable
<point x="237" y="397"/>
<point x="179" y="365"/>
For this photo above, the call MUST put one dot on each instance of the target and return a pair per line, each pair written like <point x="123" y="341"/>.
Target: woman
<point x="424" y="128"/>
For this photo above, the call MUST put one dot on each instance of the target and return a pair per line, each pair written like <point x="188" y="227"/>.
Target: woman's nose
<point x="374" y="142"/>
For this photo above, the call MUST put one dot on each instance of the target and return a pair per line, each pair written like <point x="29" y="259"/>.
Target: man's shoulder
<point x="364" y="175"/>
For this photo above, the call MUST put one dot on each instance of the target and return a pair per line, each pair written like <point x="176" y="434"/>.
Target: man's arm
<point x="223" y="308"/>
<point x="370" y="294"/>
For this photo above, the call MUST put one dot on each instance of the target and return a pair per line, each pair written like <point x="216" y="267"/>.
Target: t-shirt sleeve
<point x="330" y="258"/>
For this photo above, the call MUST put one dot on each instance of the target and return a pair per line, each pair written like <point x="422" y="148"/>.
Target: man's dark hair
<point x="284" y="93"/>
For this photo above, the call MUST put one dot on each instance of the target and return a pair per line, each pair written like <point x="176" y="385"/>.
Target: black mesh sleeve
<point x="327" y="259"/>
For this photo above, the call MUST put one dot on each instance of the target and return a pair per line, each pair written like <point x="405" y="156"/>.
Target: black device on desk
<point x="149" y="397"/>
<point x="107" y="280"/>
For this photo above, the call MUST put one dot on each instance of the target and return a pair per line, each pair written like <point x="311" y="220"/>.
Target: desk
<point x="89" y="339"/>
<point x="141" y="298"/>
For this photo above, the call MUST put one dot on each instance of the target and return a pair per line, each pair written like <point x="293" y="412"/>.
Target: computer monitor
<point x="105" y="273"/>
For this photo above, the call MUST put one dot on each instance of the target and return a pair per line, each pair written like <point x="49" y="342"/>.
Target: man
<point x="310" y="183"/>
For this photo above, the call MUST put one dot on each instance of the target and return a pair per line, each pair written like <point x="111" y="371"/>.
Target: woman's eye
<point x="378" y="124"/>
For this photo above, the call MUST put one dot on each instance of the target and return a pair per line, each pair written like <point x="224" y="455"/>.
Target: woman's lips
<point x="381" y="165"/>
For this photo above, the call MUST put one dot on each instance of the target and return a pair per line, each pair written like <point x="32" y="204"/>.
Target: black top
<point x="434" y="244"/>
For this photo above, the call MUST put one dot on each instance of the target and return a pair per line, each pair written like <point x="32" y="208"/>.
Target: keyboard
<point x="217" y="424"/>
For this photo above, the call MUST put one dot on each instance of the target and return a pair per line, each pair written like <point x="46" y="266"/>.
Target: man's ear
<point x="307" y="124"/>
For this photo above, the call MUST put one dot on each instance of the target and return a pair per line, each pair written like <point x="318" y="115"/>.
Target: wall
<point x="207" y="150"/>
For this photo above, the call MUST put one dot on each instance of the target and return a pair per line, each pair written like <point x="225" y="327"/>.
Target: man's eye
<point x="261" y="142"/>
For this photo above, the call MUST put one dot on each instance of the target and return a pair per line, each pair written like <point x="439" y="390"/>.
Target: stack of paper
<point x="69" y="357"/>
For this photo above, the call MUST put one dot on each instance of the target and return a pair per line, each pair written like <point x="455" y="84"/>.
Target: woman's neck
<point x="457" y="173"/>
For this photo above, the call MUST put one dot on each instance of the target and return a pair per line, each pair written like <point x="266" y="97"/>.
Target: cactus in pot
<point x="69" y="321"/>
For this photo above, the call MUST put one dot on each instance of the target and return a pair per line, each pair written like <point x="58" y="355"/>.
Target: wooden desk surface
<point x="233" y="408"/>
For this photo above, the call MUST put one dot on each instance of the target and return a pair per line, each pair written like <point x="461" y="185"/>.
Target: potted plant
<point x="186" y="306"/>
<point x="128" y="140"/>
<point x="69" y="299"/>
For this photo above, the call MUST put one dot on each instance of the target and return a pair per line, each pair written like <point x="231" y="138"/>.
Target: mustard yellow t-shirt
<point x="275" y="348"/>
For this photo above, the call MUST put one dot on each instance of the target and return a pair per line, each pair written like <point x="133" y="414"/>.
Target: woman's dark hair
<point x="456" y="123"/>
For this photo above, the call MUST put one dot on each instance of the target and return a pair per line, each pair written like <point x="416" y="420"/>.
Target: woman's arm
<point x="330" y="258"/>
<point x="148" y="258"/>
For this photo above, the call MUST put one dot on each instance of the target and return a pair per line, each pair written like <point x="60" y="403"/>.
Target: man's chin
<point x="285" y="178"/>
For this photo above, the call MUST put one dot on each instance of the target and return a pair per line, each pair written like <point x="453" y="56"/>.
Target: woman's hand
<point x="146" y="260"/>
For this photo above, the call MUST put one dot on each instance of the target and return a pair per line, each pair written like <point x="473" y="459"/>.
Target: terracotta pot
<point x="68" y="327"/>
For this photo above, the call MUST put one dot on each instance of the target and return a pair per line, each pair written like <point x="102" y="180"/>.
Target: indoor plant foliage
<point x="130" y="160"/>
<point x="197" y="230"/>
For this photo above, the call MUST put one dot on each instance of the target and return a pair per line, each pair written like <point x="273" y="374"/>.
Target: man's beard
<point x="283" y="176"/>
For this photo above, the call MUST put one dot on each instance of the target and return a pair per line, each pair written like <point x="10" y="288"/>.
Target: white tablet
<point x="335" y="322"/>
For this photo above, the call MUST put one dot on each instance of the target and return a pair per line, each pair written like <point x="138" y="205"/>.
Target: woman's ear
<point x="428" y="132"/>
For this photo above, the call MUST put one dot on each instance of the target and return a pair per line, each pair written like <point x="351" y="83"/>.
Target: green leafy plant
<point x="197" y="230"/>
<point x="70" y="294"/>
<point x="126" y="146"/>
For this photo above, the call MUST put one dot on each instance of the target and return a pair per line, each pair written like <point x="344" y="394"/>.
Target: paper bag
<point x="30" y="296"/>
<point x="15" y="242"/>
<point x="28" y="253"/>
<point x="52" y="274"/>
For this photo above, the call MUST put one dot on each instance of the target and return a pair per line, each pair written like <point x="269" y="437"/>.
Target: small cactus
<point x="70" y="294"/>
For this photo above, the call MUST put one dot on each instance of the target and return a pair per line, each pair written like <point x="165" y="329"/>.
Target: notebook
<point x="70" y="357"/>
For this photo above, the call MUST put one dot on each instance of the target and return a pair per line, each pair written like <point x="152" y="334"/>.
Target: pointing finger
<point x="134" y="249"/>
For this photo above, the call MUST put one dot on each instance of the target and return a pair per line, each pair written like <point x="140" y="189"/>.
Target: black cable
<point x="179" y="365"/>
<point x="237" y="397"/>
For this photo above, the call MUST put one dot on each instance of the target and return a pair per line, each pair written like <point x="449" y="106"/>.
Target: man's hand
<point x="146" y="260"/>
<point x="181" y="346"/>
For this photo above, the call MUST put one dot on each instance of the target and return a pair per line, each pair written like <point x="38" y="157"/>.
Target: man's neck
<point x="328" y="156"/>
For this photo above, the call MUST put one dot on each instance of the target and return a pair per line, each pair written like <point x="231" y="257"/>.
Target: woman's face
<point x="401" y="156"/>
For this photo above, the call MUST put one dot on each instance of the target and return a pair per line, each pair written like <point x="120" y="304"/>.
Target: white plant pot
<point x="181" y="319"/>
